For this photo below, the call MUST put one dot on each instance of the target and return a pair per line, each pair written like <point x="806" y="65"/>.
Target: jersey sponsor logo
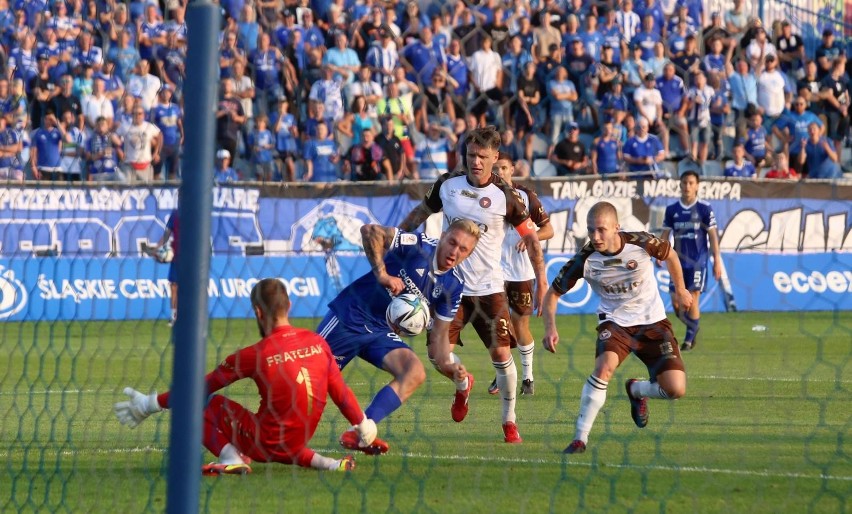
<point x="631" y="265"/>
<point x="622" y="288"/>
<point x="604" y="335"/>
<point x="13" y="295"/>
<point x="410" y="286"/>
<point x="408" y="239"/>
<point x="468" y="194"/>
<point x="483" y="228"/>
<point x="485" y="202"/>
<point x="612" y="262"/>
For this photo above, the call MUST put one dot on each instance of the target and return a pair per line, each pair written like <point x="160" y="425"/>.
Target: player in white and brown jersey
<point x="483" y="197"/>
<point x="520" y="276"/>
<point x="619" y="267"/>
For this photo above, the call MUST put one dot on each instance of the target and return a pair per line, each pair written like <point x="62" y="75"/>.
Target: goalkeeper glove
<point x="367" y="431"/>
<point x="139" y="407"/>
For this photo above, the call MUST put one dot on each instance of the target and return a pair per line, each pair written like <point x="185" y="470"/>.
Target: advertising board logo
<point x="13" y="295"/>
<point x="332" y="226"/>
<point x="576" y="297"/>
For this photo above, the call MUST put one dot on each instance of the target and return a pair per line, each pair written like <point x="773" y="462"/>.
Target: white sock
<point x="527" y="360"/>
<point x="230" y="455"/>
<point x="591" y="401"/>
<point x="463" y="384"/>
<point x="507" y="381"/>
<point x="326" y="463"/>
<point x="174" y="313"/>
<point x="647" y="389"/>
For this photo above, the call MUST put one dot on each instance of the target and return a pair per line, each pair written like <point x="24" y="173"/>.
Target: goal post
<point x="193" y="266"/>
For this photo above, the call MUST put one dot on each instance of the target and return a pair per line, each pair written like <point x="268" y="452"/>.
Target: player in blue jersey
<point x="355" y="326"/>
<point x="693" y="224"/>
<point x="171" y="233"/>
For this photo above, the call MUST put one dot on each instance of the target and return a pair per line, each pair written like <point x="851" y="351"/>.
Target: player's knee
<point x="675" y="391"/>
<point x="416" y="374"/>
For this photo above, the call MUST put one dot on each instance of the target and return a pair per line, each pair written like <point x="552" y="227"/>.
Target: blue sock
<point x="691" y="327"/>
<point x="384" y="403"/>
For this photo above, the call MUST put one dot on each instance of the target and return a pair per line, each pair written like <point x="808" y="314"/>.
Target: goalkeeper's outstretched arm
<point x="135" y="410"/>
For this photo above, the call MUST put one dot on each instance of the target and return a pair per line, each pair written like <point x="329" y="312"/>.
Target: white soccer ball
<point x="165" y="254"/>
<point x="408" y="315"/>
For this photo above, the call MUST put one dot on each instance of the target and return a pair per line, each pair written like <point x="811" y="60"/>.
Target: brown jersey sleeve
<point x="572" y="271"/>
<point x="539" y="216"/>
<point x="432" y="200"/>
<point x="516" y="210"/>
<point x="654" y="246"/>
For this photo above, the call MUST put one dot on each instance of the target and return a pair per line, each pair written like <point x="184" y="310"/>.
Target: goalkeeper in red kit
<point x="294" y="371"/>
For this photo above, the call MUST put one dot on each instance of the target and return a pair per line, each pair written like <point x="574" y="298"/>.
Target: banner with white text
<point x="80" y="253"/>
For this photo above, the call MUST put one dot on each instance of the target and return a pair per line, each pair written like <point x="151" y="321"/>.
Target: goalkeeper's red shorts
<point x="226" y="421"/>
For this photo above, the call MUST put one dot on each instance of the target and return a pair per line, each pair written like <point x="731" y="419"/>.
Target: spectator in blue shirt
<point x="262" y="144"/>
<point x="672" y="92"/>
<point x="756" y="143"/>
<point x="224" y="172"/>
<point x="792" y="129"/>
<point x="646" y="38"/>
<point x="562" y="97"/>
<point x="124" y="56"/>
<point x="168" y="117"/>
<point x="592" y="38"/>
<point x="643" y="152"/>
<point x="818" y="156"/>
<point x="743" y="85"/>
<point x="321" y="157"/>
<point x="653" y="9"/>
<point x="45" y="154"/>
<point x="739" y="166"/>
<point x="286" y="139"/>
<point x="343" y="60"/>
<point x="422" y="57"/>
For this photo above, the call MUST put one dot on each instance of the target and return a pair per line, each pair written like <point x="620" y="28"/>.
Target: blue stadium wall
<point x="76" y="253"/>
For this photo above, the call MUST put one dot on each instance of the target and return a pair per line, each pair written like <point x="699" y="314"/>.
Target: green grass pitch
<point x="765" y="428"/>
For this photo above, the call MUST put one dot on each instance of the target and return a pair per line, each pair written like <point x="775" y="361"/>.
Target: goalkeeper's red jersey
<point x="294" y="371"/>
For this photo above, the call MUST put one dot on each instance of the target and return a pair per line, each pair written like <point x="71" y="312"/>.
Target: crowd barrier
<point x="79" y="253"/>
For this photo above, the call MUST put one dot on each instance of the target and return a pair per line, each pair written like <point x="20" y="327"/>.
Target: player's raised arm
<point x="377" y="240"/>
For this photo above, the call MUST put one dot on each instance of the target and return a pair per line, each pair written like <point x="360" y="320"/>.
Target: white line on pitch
<point x="515" y="460"/>
<point x="379" y="382"/>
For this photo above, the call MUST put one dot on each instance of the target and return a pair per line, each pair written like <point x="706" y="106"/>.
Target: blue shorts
<point x="347" y="342"/>
<point x="173" y="272"/>
<point x="694" y="279"/>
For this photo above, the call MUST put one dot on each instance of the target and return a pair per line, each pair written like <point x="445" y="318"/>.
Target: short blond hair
<point x="467" y="226"/>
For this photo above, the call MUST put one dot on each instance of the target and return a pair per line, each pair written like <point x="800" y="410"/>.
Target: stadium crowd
<point x="326" y="90"/>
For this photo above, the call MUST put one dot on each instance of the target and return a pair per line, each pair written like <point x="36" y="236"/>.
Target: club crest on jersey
<point x="437" y="291"/>
<point x="485" y="202"/>
<point x="604" y="335"/>
<point x="469" y="194"/>
<point x="631" y="265"/>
